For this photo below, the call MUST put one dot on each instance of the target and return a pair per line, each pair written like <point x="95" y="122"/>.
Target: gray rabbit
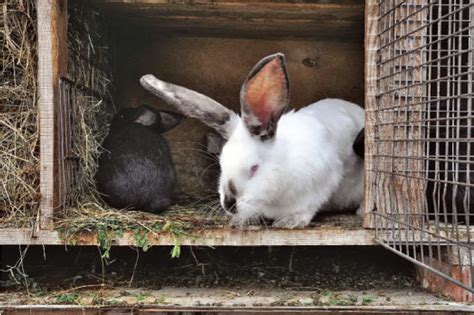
<point x="136" y="170"/>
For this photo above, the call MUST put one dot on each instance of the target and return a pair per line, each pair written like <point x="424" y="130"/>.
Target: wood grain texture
<point x="245" y="18"/>
<point x="219" y="301"/>
<point x="253" y="236"/>
<point x="210" y="2"/>
<point x="51" y="62"/>
<point x="371" y="47"/>
<point x="393" y="109"/>
<point x="399" y="188"/>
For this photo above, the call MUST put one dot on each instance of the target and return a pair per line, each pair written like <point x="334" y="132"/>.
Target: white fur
<point x="308" y="167"/>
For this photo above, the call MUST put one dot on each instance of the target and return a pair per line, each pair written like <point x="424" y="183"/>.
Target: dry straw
<point x="19" y="145"/>
<point x="88" y="108"/>
<point x="89" y="68"/>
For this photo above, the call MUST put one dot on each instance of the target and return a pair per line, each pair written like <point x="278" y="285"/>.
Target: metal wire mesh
<point x="423" y="155"/>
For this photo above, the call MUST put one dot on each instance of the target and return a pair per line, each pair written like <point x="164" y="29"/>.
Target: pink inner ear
<point x="266" y="91"/>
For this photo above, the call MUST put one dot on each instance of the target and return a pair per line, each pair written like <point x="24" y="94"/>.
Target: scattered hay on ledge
<point x="187" y="216"/>
<point x="90" y="77"/>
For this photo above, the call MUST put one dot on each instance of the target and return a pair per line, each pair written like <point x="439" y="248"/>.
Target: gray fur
<point x="192" y="104"/>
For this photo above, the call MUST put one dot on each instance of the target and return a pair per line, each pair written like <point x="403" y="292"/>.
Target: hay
<point x="19" y="145"/>
<point x="89" y="70"/>
<point x="87" y="113"/>
<point x="91" y="108"/>
<point x="186" y="216"/>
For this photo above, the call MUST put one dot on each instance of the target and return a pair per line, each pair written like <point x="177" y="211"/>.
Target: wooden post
<point x="371" y="46"/>
<point x="52" y="62"/>
<point x="392" y="117"/>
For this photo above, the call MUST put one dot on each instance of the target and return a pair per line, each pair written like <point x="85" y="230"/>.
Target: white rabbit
<point x="282" y="167"/>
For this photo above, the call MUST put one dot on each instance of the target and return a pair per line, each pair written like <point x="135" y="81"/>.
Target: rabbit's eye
<point x="253" y="170"/>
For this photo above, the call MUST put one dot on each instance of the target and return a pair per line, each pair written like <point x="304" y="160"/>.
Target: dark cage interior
<point x="450" y="114"/>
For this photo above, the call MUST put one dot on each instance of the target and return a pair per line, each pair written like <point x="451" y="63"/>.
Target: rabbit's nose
<point x="229" y="204"/>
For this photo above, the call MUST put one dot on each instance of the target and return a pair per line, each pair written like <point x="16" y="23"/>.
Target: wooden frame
<point x="396" y="193"/>
<point x="371" y="48"/>
<point x="239" y="301"/>
<point x="253" y="236"/>
<point x="52" y="62"/>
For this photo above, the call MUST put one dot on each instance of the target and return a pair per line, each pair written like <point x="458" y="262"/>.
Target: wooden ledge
<point x="252" y="236"/>
<point x="225" y="301"/>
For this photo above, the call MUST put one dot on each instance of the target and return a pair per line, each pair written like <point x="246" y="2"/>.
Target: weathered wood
<point x="371" y="47"/>
<point x="395" y="186"/>
<point x="252" y="236"/>
<point x="334" y="310"/>
<point x="242" y="18"/>
<point x="52" y="62"/>
<point x="460" y="255"/>
<point x="408" y="301"/>
<point x="210" y="2"/>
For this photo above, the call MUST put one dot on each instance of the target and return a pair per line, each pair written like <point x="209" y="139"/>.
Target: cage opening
<point x="103" y="73"/>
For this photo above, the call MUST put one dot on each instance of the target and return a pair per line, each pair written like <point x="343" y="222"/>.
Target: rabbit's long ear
<point x="264" y="96"/>
<point x="193" y="104"/>
<point x="169" y="120"/>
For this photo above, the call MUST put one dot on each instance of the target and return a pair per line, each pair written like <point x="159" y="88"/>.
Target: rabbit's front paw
<point x="292" y="221"/>
<point x="237" y="222"/>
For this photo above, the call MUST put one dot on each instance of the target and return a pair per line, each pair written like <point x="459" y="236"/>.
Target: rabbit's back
<point x="342" y="118"/>
<point x="136" y="169"/>
<point x="328" y="129"/>
<point x="329" y="126"/>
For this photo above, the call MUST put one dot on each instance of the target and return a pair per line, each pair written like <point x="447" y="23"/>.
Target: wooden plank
<point x="393" y="189"/>
<point x="252" y="236"/>
<point x="226" y="301"/>
<point x="326" y="11"/>
<point x="334" y="310"/>
<point x="52" y="36"/>
<point x="241" y="18"/>
<point x="371" y="48"/>
<point x="210" y="2"/>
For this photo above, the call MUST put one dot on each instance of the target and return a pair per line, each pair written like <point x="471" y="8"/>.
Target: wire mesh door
<point x="422" y="165"/>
